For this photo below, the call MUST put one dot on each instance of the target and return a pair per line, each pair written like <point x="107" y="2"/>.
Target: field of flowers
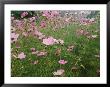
<point x="55" y="43"/>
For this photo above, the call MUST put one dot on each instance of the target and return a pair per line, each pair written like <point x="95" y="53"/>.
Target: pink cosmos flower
<point x="14" y="37"/>
<point x="42" y="53"/>
<point x="19" y="23"/>
<point x="43" y="24"/>
<point x="21" y="55"/>
<point x="54" y="13"/>
<point x="46" y="14"/>
<point x="50" y="14"/>
<point x="37" y="33"/>
<point x="62" y="62"/>
<point x="35" y="62"/>
<point x="58" y="72"/>
<point x="35" y="52"/>
<point x="24" y="14"/>
<point x="49" y="41"/>
<point x="32" y="19"/>
<point x="41" y="37"/>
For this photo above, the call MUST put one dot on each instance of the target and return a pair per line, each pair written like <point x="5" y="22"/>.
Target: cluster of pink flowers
<point x="86" y="21"/>
<point x="38" y="53"/>
<point x="24" y="14"/>
<point x="14" y="37"/>
<point x="43" y="24"/>
<point x="50" y="14"/>
<point x="47" y="40"/>
<point x="32" y="19"/>
<point x="19" y="23"/>
<point x="51" y="41"/>
<point x="39" y="34"/>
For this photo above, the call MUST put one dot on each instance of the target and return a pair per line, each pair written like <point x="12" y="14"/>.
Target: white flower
<point x="59" y="72"/>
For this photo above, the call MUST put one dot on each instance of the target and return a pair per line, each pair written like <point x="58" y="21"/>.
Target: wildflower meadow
<point x="55" y="43"/>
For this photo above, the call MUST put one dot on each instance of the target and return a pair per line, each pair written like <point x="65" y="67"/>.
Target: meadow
<point x="53" y="46"/>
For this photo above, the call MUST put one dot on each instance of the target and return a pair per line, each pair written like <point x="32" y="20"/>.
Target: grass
<point x="82" y="56"/>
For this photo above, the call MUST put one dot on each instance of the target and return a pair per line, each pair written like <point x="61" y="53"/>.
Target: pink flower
<point x="54" y="13"/>
<point x="62" y="61"/>
<point x="58" y="72"/>
<point x="42" y="53"/>
<point x="43" y="24"/>
<point x="19" y="23"/>
<point x="50" y="14"/>
<point x="14" y="37"/>
<point x="35" y="52"/>
<point x="24" y="14"/>
<point x="41" y="37"/>
<point x="32" y="19"/>
<point x="21" y="55"/>
<point x="37" y="33"/>
<point x="49" y="41"/>
<point x="46" y="14"/>
<point x="35" y="62"/>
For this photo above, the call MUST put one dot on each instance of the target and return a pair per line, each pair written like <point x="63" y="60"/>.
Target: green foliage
<point x="17" y="14"/>
<point x="93" y="14"/>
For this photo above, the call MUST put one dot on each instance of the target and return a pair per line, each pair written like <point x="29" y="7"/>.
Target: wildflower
<point x="59" y="72"/>
<point x="14" y="37"/>
<point x="19" y="24"/>
<point x="21" y="55"/>
<point x="62" y="61"/>
<point x="35" y="52"/>
<point x="54" y="13"/>
<point x="37" y="33"/>
<point x="35" y="62"/>
<point x="46" y="14"/>
<point x="49" y="41"/>
<point x="43" y="24"/>
<point x="94" y="36"/>
<point x="61" y="41"/>
<point x="42" y="53"/>
<point x="32" y="19"/>
<point x="24" y="14"/>
<point x="41" y="37"/>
